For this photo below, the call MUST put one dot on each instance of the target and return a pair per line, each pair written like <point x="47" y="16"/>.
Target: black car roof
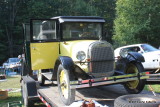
<point x="79" y="19"/>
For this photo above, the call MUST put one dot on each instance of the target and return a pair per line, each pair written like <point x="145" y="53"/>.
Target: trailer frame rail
<point x="107" y="80"/>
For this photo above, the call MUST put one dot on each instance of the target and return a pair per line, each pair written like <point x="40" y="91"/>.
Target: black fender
<point x="135" y="56"/>
<point x="132" y="57"/>
<point x="66" y="62"/>
<point x="30" y="85"/>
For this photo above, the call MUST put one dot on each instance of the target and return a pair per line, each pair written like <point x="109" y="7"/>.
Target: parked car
<point x="150" y="54"/>
<point x="72" y="51"/>
<point x="12" y="63"/>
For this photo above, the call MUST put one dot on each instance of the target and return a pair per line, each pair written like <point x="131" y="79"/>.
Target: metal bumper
<point x="107" y="80"/>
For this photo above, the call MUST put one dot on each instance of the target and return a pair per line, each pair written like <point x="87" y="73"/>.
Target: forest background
<point x="127" y="21"/>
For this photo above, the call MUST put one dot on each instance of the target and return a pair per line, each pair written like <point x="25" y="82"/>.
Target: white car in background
<point x="150" y="54"/>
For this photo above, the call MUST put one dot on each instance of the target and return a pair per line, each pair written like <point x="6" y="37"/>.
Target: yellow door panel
<point x="44" y="55"/>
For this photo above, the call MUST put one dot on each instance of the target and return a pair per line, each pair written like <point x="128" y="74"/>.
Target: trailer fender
<point x="66" y="62"/>
<point x="30" y="85"/>
<point x="135" y="56"/>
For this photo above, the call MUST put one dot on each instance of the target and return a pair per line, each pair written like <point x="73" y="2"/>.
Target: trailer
<point x="72" y="53"/>
<point x="49" y="94"/>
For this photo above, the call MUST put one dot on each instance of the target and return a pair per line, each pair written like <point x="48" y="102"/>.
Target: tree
<point x="137" y="21"/>
<point x="16" y="12"/>
<point x="105" y="9"/>
<point x="10" y="9"/>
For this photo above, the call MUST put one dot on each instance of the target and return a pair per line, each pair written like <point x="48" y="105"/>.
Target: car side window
<point x="44" y="30"/>
<point x="133" y="49"/>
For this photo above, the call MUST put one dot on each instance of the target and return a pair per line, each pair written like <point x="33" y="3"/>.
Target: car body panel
<point x="71" y="48"/>
<point x="44" y="55"/>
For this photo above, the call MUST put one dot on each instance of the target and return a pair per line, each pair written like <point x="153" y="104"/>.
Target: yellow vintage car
<point x="73" y="51"/>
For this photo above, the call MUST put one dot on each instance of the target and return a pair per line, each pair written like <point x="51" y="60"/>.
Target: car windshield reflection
<point x="81" y="30"/>
<point x="148" y="48"/>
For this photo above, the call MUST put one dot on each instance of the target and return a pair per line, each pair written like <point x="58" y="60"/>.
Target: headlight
<point x="123" y="53"/>
<point x="81" y="55"/>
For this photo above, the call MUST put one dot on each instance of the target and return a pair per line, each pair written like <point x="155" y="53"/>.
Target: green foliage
<point x="16" y="12"/>
<point x="106" y="9"/>
<point x="137" y="22"/>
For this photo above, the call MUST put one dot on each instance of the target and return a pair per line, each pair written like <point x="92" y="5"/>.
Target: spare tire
<point x="137" y="100"/>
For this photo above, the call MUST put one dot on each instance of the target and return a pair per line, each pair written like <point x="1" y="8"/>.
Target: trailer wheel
<point x="135" y="86"/>
<point x="67" y="94"/>
<point x="137" y="100"/>
<point x="26" y="101"/>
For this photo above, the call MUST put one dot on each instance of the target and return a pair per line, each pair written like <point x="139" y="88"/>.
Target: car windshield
<point x="13" y="60"/>
<point x="81" y="30"/>
<point x="148" y="48"/>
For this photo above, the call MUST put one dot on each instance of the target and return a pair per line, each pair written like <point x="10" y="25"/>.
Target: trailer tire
<point x="135" y="86"/>
<point x="26" y="101"/>
<point x="137" y="100"/>
<point x="64" y="77"/>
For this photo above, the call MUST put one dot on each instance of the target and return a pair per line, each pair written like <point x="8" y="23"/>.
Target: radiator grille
<point x="102" y="59"/>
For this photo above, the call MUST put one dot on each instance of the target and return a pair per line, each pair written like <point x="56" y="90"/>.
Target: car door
<point x="44" y="46"/>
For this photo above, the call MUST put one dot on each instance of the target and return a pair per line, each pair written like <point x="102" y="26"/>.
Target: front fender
<point x="131" y="57"/>
<point x="135" y="56"/>
<point x="66" y="62"/>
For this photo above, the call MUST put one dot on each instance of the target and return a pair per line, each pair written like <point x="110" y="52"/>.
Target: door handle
<point x="34" y="48"/>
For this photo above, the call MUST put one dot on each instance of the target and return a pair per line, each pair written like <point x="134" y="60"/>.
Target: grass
<point x="14" y="84"/>
<point x="11" y="83"/>
<point x="156" y="88"/>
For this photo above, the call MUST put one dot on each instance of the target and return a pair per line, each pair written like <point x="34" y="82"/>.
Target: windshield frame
<point x="82" y="38"/>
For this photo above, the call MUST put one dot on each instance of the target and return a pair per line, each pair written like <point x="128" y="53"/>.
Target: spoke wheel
<point x="135" y="86"/>
<point x="67" y="94"/>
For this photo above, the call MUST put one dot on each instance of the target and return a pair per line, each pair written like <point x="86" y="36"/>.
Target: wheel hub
<point x="63" y="84"/>
<point x="132" y="69"/>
